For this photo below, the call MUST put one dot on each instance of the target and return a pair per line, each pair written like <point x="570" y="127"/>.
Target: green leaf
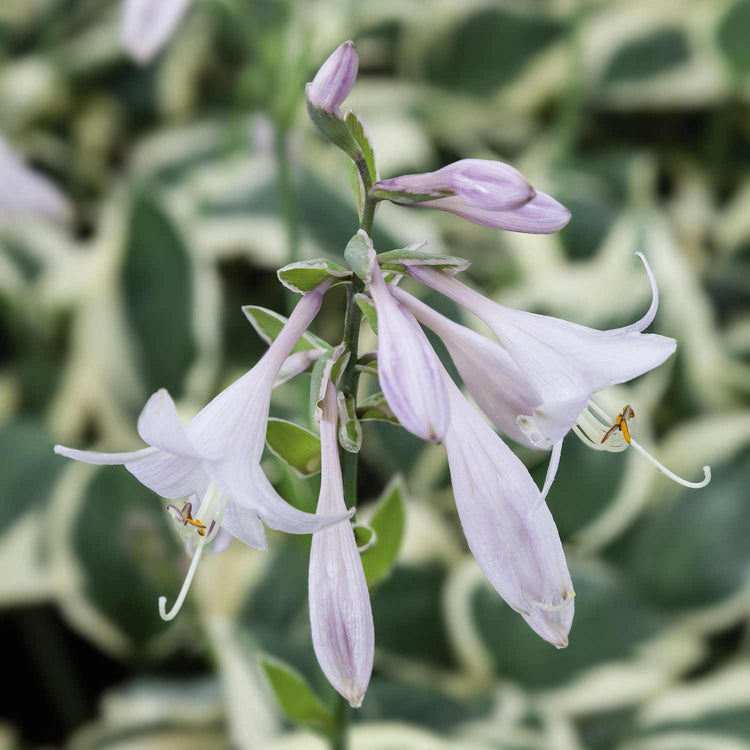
<point x="399" y="260"/>
<point x="360" y="255"/>
<point x="490" y="48"/>
<point x="653" y="54"/>
<point x="336" y="130"/>
<point x="268" y="325"/>
<point x="295" y="696"/>
<point x="388" y="524"/>
<point x="30" y="470"/>
<point x="294" y="445"/>
<point x="158" y="292"/>
<point x="365" y="303"/>
<point x="127" y="554"/>
<point x="305" y="275"/>
<point x="408" y="613"/>
<point x="359" y="133"/>
<point x="732" y="36"/>
<point x="611" y="621"/>
<point x="694" y="551"/>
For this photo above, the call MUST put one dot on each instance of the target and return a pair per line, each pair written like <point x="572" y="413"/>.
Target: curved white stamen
<point x="210" y="499"/>
<point x="167" y="616"/>
<point x="371" y="542"/>
<point x="663" y="469"/>
<point x="591" y="431"/>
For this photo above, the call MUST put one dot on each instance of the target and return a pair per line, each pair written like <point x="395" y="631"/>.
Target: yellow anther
<point x="621" y="424"/>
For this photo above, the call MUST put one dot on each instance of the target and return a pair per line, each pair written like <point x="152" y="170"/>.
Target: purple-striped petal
<point x="340" y="613"/>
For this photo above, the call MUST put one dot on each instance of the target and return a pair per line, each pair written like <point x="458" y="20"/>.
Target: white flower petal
<point x="148" y="24"/>
<point x="491" y="376"/>
<point x="563" y="362"/>
<point x="280" y="515"/>
<point x="245" y="525"/>
<point x="340" y="612"/>
<point x="159" y="425"/>
<point x="408" y="368"/>
<point x="510" y="533"/>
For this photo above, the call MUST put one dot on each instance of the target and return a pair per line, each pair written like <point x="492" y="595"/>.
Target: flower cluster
<point x="534" y="383"/>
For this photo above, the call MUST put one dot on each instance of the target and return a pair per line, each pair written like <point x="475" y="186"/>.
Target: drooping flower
<point x="509" y="531"/>
<point x="24" y="191"/>
<point x="408" y="369"/>
<point x="562" y="363"/>
<point x="214" y="460"/>
<point x="343" y="633"/>
<point x="537" y="384"/>
<point x="334" y="80"/>
<point x="147" y="25"/>
<point x="489" y="193"/>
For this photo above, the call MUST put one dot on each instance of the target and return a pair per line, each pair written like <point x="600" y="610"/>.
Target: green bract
<point x="305" y="275"/>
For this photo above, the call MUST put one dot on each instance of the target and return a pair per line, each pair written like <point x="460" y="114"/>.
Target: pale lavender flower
<point x="560" y="363"/>
<point x="24" y="191"/>
<point x="214" y="460"/>
<point x="408" y="369"/>
<point x="508" y="528"/>
<point x="538" y="385"/>
<point x="484" y="192"/>
<point x="343" y="633"/>
<point x="335" y="79"/>
<point x="148" y="24"/>
<point x="518" y="550"/>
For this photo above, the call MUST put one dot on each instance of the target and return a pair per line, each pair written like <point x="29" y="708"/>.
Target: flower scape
<point x="533" y="381"/>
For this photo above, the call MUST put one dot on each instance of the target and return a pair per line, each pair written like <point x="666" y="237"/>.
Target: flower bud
<point x="335" y="79"/>
<point x="488" y="193"/>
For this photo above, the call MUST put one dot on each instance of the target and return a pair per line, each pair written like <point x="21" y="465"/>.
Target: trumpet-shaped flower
<point x="538" y="384"/>
<point x="489" y="193"/>
<point x="518" y="550"/>
<point x="334" y="80"/>
<point x="408" y="369"/>
<point x="148" y="24"/>
<point x="24" y="191"/>
<point x="509" y="530"/>
<point x="340" y="613"/>
<point x="561" y="363"/>
<point x="214" y="460"/>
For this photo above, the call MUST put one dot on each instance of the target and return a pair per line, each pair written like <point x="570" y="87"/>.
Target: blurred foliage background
<point x="193" y="179"/>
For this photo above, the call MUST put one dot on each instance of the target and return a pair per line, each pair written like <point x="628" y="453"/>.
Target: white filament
<point x="554" y="463"/>
<point x="210" y="499"/>
<point x="586" y="421"/>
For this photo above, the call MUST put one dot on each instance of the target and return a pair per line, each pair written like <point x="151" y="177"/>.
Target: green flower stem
<point x="352" y="322"/>
<point x="348" y="386"/>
